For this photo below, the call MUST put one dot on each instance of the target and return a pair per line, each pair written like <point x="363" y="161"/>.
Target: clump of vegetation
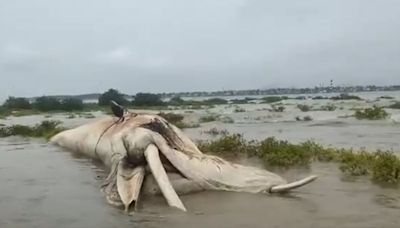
<point x="231" y="144"/>
<point x="386" y="97"/>
<point x="346" y="96"/>
<point x="381" y="166"/>
<point x="282" y="153"/>
<point x="171" y="117"/>
<point x="46" y="104"/>
<point x="186" y="125"/>
<point x="215" y="131"/>
<point x="395" y="105"/>
<point x="386" y="167"/>
<point x="215" y="101"/>
<point x="209" y="118"/>
<point x="71" y="116"/>
<point x="177" y="120"/>
<point x="305" y="118"/>
<point x="300" y="98"/>
<point x="304" y="108"/>
<point x="177" y="100"/>
<point x="45" y="129"/>
<point x="147" y="99"/>
<point x="239" y="101"/>
<point x="17" y="103"/>
<point x="22" y="106"/>
<point x="239" y="109"/>
<point x="192" y="104"/>
<point x="356" y="164"/>
<point x="319" y="98"/>
<point x="112" y="94"/>
<point x="328" y="107"/>
<point x="246" y="100"/>
<point x="87" y="115"/>
<point x="273" y="99"/>
<point x="226" y="119"/>
<point x="276" y="108"/>
<point x="374" y="113"/>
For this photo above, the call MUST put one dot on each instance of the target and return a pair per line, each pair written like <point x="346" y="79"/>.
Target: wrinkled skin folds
<point x="147" y="155"/>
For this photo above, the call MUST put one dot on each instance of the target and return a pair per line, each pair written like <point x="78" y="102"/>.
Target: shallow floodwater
<point x="45" y="186"/>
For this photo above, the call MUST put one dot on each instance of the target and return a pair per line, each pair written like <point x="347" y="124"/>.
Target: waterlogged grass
<point x="177" y="120"/>
<point x="276" y="108"/>
<point x="215" y="131"/>
<point x="210" y="118"/>
<point x="305" y="118"/>
<point x="187" y="125"/>
<point x="273" y="99"/>
<point x="380" y="166"/>
<point x="395" y="105"/>
<point x="239" y="109"/>
<point x="171" y="117"/>
<point x="328" y="107"/>
<point x="45" y="129"/>
<point x="374" y="113"/>
<point x="304" y="108"/>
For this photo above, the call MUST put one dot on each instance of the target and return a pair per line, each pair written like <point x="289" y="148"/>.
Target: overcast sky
<point x="82" y="46"/>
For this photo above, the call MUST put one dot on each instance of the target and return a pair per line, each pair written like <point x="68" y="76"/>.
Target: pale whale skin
<point x="146" y="148"/>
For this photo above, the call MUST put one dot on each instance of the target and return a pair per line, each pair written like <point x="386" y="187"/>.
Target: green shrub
<point x="278" y="108"/>
<point x="232" y="144"/>
<point x="176" y="101"/>
<point x="386" y="97"/>
<point x="147" y="99"/>
<point x="71" y="104"/>
<point x="395" y="105"/>
<point x="226" y="119"/>
<point x="183" y="125"/>
<point x="45" y="129"/>
<point x="304" y="108"/>
<point x="112" y="94"/>
<point x="300" y="98"/>
<point x="210" y="118"/>
<point x="374" y="113"/>
<point x="346" y="96"/>
<point x="215" y="131"/>
<point x="319" y="98"/>
<point x="171" y="117"/>
<point x="17" y="103"/>
<point x="273" y="99"/>
<point x="305" y="118"/>
<point x="282" y="153"/>
<point x="386" y="167"/>
<point x="329" y="107"/>
<point x="239" y="109"/>
<point x="381" y="166"/>
<point x="177" y="120"/>
<point x="88" y="115"/>
<point x="356" y="164"/>
<point x="71" y="116"/>
<point x="239" y="101"/>
<point x="46" y="104"/>
<point x="215" y="101"/>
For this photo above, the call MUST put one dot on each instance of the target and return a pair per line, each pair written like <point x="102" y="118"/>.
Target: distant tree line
<point x="44" y="104"/>
<point x="140" y="100"/>
<point x="150" y="99"/>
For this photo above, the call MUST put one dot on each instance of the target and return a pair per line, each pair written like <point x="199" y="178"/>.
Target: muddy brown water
<point x="45" y="186"/>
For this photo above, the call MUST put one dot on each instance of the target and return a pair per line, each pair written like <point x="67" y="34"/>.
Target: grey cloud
<point x="90" y="45"/>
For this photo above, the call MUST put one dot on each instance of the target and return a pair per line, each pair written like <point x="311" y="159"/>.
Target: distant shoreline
<point x="254" y="92"/>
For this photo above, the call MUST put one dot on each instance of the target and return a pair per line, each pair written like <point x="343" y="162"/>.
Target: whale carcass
<point x="148" y="155"/>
